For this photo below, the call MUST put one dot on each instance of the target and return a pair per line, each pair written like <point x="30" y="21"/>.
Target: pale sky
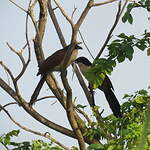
<point x="127" y="77"/>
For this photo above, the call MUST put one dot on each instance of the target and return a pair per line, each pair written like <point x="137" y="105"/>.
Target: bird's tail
<point x="37" y="91"/>
<point x="113" y="102"/>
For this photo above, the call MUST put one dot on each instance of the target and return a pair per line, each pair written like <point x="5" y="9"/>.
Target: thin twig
<point x="12" y="103"/>
<point x="32" y="131"/>
<point x="73" y="12"/>
<point x="27" y="38"/>
<point x="85" y="44"/>
<point x="123" y="7"/>
<point x="45" y="97"/>
<point x="103" y="3"/>
<point x="111" y="31"/>
<point x="31" y="13"/>
<point x="64" y="13"/>
<point x="80" y="20"/>
<point x="19" y="54"/>
<point x="7" y="70"/>
<point x="84" y="114"/>
<point x="56" y="24"/>
<point x="18" y="6"/>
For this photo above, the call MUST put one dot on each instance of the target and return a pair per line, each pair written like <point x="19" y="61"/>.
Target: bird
<point x="51" y="64"/>
<point x="106" y="87"/>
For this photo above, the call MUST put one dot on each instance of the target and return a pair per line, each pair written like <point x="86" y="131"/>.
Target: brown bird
<point x="107" y="87"/>
<point x="51" y="64"/>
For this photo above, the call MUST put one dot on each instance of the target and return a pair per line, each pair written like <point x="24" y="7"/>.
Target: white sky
<point x="127" y="77"/>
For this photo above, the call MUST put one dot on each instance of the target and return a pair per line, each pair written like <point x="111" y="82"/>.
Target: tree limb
<point x="70" y="112"/>
<point x="111" y="31"/>
<point x="103" y="3"/>
<point x="32" y="112"/>
<point x="64" y="13"/>
<point x="55" y="22"/>
<point x="48" y="136"/>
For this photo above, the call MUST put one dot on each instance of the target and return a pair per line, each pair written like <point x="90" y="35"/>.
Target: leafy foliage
<point x="140" y="4"/>
<point x="6" y="141"/>
<point x="119" y="50"/>
<point x="125" y="45"/>
<point x="96" y="74"/>
<point x="127" y="131"/>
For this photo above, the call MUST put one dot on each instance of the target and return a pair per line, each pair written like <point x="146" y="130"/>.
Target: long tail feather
<point x="113" y="102"/>
<point x="37" y="91"/>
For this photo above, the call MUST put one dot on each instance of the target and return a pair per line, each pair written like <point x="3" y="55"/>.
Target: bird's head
<point x="83" y="60"/>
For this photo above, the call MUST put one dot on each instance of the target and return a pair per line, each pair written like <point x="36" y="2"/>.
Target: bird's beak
<point x="78" y="47"/>
<point x="76" y="61"/>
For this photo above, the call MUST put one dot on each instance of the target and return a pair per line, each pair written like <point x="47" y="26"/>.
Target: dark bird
<point x="51" y="64"/>
<point x="107" y="87"/>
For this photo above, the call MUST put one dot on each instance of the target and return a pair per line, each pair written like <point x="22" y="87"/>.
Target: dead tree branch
<point x="85" y="44"/>
<point x="103" y="3"/>
<point x="32" y="112"/>
<point x="70" y="112"/>
<point x="56" y="24"/>
<point x="64" y="13"/>
<point x="111" y="31"/>
<point x="18" y="6"/>
<point x="48" y="136"/>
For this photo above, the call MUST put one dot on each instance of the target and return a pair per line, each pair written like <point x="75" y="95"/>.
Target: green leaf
<point x="148" y="52"/>
<point x="130" y="18"/>
<point x="141" y="45"/>
<point x="125" y="17"/>
<point x="122" y="35"/>
<point x="139" y="100"/>
<point x="81" y="106"/>
<point x="129" y="52"/>
<point x="130" y="6"/>
<point x="96" y="147"/>
<point x="121" y="58"/>
<point x="142" y="92"/>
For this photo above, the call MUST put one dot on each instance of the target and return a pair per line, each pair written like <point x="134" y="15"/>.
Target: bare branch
<point x="83" y="85"/>
<point x="84" y="14"/>
<point x="70" y="111"/>
<point x="84" y="114"/>
<point x="43" y="98"/>
<point x="31" y="13"/>
<point x="103" y="3"/>
<point x="85" y="44"/>
<point x="7" y="70"/>
<point x="111" y="31"/>
<point x="12" y="103"/>
<point x="123" y="7"/>
<point x="19" y="54"/>
<point x="18" y="6"/>
<point x="27" y="38"/>
<point x="64" y="13"/>
<point x="56" y="24"/>
<point x="73" y="12"/>
<point x="34" y="113"/>
<point x="32" y="131"/>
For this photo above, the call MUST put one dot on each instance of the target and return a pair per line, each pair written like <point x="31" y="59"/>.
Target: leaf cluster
<point x="127" y="131"/>
<point x="6" y="141"/>
<point x="125" y="45"/>
<point x="96" y="74"/>
<point x="140" y="4"/>
<point x="119" y="50"/>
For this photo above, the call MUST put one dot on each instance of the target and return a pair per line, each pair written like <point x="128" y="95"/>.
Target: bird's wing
<point x="52" y="61"/>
